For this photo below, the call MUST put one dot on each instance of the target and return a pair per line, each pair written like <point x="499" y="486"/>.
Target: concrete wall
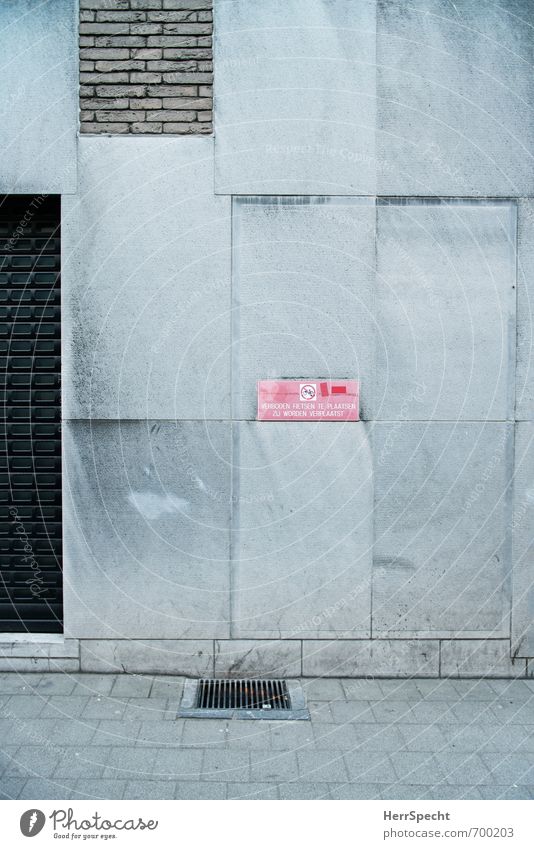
<point x="39" y="103"/>
<point x="353" y="217"/>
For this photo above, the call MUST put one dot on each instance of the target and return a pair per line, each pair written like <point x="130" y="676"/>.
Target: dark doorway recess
<point x="30" y="415"/>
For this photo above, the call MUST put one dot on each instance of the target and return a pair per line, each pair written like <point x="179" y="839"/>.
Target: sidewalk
<point x="78" y="736"/>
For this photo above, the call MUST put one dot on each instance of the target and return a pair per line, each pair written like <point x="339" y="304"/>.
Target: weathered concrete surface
<point x="442" y="558"/>
<point x="455" y="92"/>
<point x="156" y="657"/>
<point x="146" y="283"/>
<point x="295" y="97"/>
<point x="146" y="525"/>
<point x="523" y="542"/>
<point x="524" y="409"/>
<point x="39" y="110"/>
<point x="445" y="310"/>
<point x="269" y="658"/>
<point x="302" y="530"/>
<point x="377" y="658"/>
<point x="471" y="658"/>
<point x="304" y="274"/>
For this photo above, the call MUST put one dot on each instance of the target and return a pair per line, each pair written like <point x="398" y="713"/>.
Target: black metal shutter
<point x="30" y="415"/>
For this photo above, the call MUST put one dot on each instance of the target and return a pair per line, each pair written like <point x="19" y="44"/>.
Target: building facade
<point x="197" y="198"/>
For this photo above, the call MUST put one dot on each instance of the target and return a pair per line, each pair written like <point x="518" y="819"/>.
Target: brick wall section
<point x="146" y="66"/>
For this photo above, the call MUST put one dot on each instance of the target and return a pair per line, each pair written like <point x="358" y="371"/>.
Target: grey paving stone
<point x="469" y="711"/>
<point x="321" y="766"/>
<point x="509" y="738"/>
<point x="92" y="684"/>
<point x="130" y="763"/>
<point x="355" y="791"/>
<point x="513" y="712"/>
<point x="320" y="711"/>
<point x="48" y="788"/>
<point x="15" y="682"/>
<point x="65" y="707"/>
<point x="475" y="738"/>
<point x="116" y="732"/>
<point x="99" y="788"/>
<point x="20" y="732"/>
<point x="461" y="768"/>
<point x="83" y="762"/>
<point x="423" y="738"/>
<point x="25" y="706"/>
<point x="251" y="735"/>
<point x="440" y="712"/>
<point x="288" y="735"/>
<point x="104" y="707"/>
<point x="357" y="711"/>
<point x="205" y="732"/>
<point x="361" y="689"/>
<point x="451" y="791"/>
<point x="178" y="763"/>
<point x="223" y="765"/>
<point x="416" y="767"/>
<point x="389" y="710"/>
<point x="323" y="689"/>
<point x="168" y="687"/>
<point x="7" y="756"/>
<point x="55" y="684"/>
<point x="369" y="768"/>
<point x="11" y="787"/>
<point x="252" y="791"/>
<point x="303" y="790"/>
<point x="147" y="709"/>
<point x="379" y="738"/>
<point x="514" y="768"/>
<point x="436" y="690"/>
<point x="508" y="688"/>
<point x="33" y="761"/>
<point x="484" y="753"/>
<point x="65" y="732"/>
<point x="401" y="690"/>
<point x="423" y="791"/>
<point x="273" y="766"/>
<point x="150" y="790"/>
<point x="480" y="691"/>
<point x="200" y="790"/>
<point x="132" y="686"/>
<point x="159" y="733"/>
<point x="515" y="792"/>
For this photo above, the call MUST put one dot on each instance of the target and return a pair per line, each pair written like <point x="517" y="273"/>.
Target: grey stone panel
<point x="146" y="529"/>
<point x="472" y="658"/>
<point x="525" y="311"/>
<point x="146" y="283"/>
<point x="523" y="542"/>
<point x="377" y="658"/>
<point x="39" y="119"/>
<point x="302" y="530"/>
<point x="295" y="96"/>
<point x="271" y="658"/>
<point x="445" y="310"/>
<point x="455" y="93"/>
<point x="442" y="542"/>
<point x="158" y="657"/>
<point x="304" y="271"/>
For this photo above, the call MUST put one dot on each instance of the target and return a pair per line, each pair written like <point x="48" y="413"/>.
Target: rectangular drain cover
<point x="246" y="698"/>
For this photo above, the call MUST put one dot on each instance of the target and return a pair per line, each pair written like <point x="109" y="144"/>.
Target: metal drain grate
<point x="247" y="698"/>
